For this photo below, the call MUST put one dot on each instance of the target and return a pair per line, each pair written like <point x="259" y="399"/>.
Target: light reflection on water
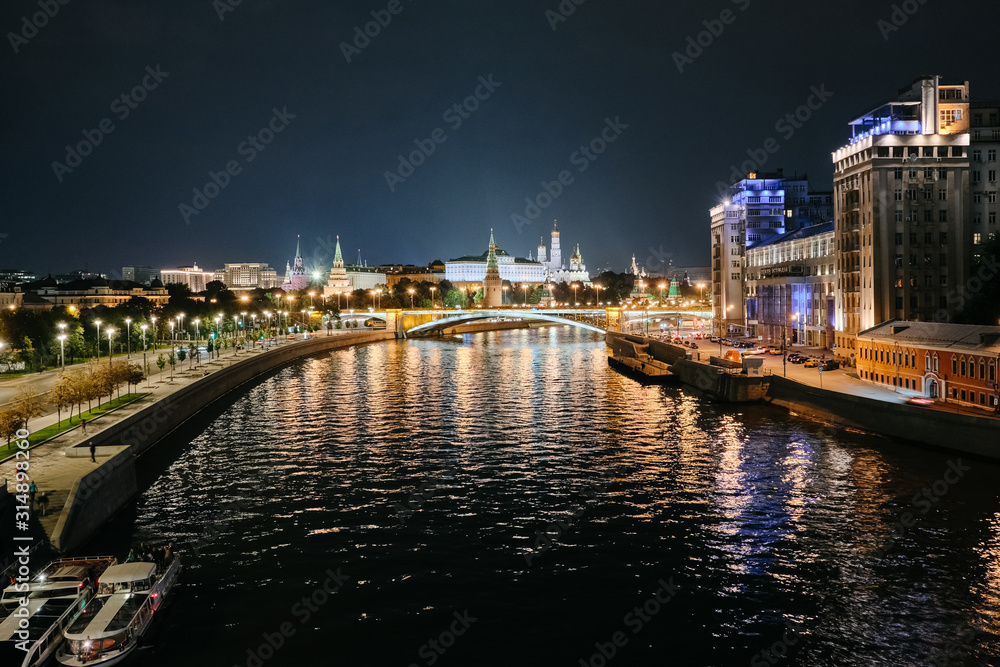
<point x="758" y="516"/>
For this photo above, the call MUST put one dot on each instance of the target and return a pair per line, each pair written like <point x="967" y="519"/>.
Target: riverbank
<point x="83" y="494"/>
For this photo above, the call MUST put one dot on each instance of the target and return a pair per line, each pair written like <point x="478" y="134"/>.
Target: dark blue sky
<point x="324" y="173"/>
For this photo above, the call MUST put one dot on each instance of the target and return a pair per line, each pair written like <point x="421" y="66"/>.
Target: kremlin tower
<point x="295" y="274"/>
<point x="492" y="285"/>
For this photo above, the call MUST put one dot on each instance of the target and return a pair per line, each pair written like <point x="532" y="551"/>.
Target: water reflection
<point x="762" y="517"/>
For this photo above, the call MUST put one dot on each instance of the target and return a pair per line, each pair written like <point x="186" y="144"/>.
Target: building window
<point x="942" y="195"/>
<point x="899" y="194"/>
<point x="899" y="216"/>
<point x="935" y="363"/>
<point x="977" y="238"/>
<point x="928" y="215"/>
<point x="977" y="156"/>
<point x="991" y="197"/>
<point x="992" y="176"/>
<point x="977" y="177"/>
<point x="899" y="238"/>
<point x="944" y="235"/>
<point x="897" y="173"/>
<point x="943" y="216"/>
<point x="977" y="197"/>
<point x="992" y="155"/>
<point x="927" y="361"/>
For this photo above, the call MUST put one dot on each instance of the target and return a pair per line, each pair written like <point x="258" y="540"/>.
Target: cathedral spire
<point x="298" y="243"/>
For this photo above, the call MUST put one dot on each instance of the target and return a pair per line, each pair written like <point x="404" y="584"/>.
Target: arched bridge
<point x="426" y="322"/>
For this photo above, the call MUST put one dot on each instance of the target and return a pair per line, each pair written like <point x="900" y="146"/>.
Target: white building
<point x="248" y="276"/>
<point x="472" y="268"/>
<point x="195" y="278"/>
<point x="557" y="271"/>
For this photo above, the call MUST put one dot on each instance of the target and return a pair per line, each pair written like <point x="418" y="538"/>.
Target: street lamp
<point x="434" y="289"/>
<point x="784" y="345"/>
<point x="197" y="336"/>
<point x="62" y="350"/>
<point x="598" y="288"/>
<point x="128" y="337"/>
<point x="701" y="286"/>
<point x="311" y="295"/>
<point x="524" y="289"/>
<point x="465" y="295"/>
<point x="111" y="335"/>
<point x="145" y="370"/>
<point x="98" y="323"/>
<point x="156" y="332"/>
<point x="576" y="301"/>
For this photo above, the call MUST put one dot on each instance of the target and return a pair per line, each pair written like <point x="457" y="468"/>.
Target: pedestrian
<point x="83" y="423"/>
<point x="93" y="451"/>
<point x="32" y="490"/>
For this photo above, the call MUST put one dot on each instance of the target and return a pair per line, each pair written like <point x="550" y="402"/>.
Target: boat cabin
<point x="127" y="578"/>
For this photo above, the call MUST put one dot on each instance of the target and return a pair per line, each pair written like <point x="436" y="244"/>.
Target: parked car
<point x="797" y="359"/>
<point x="756" y="350"/>
<point x="830" y="365"/>
<point x="774" y="350"/>
<point x="811" y="363"/>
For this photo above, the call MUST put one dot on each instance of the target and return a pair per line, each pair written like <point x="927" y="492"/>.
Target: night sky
<point x="550" y="92"/>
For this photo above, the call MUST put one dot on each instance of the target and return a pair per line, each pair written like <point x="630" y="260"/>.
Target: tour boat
<point x="47" y="604"/>
<point x="113" y="622"/>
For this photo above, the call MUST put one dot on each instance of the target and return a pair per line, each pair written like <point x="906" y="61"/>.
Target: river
<point x="507" y="499"/>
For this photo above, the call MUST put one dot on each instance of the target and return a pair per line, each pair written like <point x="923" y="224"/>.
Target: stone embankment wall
<point x="103" y="492"/>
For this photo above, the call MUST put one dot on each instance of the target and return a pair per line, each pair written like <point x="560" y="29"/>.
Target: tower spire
<point x="491" y="258"/>
<point x="298" y="243"/>
<point x="337" y="257"/>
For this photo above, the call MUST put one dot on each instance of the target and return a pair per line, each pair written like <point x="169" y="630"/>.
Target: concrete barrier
<point x="969" y="434"/>
<point x="108" y="488"/>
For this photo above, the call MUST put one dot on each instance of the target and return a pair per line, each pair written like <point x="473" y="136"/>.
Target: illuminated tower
<point x="296" y="277"/>
<point x="555" y="258"/>
<point x="541" y="251"/>
<point x="338" y="280"/>
<point x="492" y="285"/>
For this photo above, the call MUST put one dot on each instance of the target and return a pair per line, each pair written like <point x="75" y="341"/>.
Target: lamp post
<point x="180" y="323"/>
<point x="524" y="289"/>
<point x="156" y="332"/>
<point x="98" y="323"/>
<point x="433" y="289"/>
<point x="411" y="291"/>
<point x="598" y="288"/>
<point x="311" y="295"/>
<point x="576" y="300"/>
<point x="503" y="301"/>
<point x="62" y="350"/>
<point x="62" y="332"/>
<point x="465" y="296"/>
<point x="784" y="345"/>
<point x="701" y="287"/>
<point x="197" y="337"/>
<point x="253" y="327"/>
<point x="111" y="336"/>
<point x="145" y="368"/>
<point x="128" y="337"/>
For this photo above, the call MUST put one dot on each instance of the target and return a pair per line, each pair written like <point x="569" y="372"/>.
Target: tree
<point x="453" y="298"/>
<point x="62" y="394"/>
<point x="161" y="361"/>
<point x="181" y="355"/>
<point x="27" y="404"/>
<point x="135" y="375"/>
<point x="172" y="360"/>
<point x="9" y="424"/>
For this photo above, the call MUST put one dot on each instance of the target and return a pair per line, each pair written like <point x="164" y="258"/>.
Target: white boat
<point x="46" y="605"/>
<point x="113" y="622"/>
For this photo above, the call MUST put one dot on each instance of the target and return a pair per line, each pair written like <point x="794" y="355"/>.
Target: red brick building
<point x="956" y="363"/>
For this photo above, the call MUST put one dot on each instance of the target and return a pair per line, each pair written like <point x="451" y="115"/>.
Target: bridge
<point x="428" y="322"/>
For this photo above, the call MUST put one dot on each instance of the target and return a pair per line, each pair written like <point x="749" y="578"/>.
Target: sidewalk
<point x="55" y="473"/>
<point x="843" y="380"/>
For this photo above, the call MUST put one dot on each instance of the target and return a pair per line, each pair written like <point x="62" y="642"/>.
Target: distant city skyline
<point x="619" y="120"/>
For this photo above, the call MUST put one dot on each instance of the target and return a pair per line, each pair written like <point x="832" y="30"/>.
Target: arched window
<point x="927" y="361"/>
<point x="936" y="368"/>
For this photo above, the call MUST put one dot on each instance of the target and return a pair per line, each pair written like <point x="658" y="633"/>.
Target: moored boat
<point x="33" y="614"/>
<point x="113" y="622"/>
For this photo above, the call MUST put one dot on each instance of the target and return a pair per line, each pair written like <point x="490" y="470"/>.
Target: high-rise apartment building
<point x="985" y="144"/>
<point x="901" y="187"/>
<point x="759" y="208"/>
